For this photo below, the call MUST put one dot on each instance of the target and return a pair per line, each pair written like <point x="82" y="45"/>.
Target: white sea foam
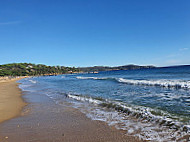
<point x="33" y="81"/>
<point x="95" y="78"/>
<point x="24" y="87"/>
<point x="80" y="98"/>
<point x="80" y="77"/>
<point x="146" y="126"/>
<point x="161" y="82"/>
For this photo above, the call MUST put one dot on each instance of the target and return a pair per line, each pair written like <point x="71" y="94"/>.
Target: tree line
<point x="29" y="69"/>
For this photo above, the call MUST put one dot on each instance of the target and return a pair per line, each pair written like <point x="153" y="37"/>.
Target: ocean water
<point x="152" y="104"/>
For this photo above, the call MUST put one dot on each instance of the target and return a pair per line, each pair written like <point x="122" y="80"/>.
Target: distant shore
<point x="47" y="121"/>
<point x="11" y="78"/>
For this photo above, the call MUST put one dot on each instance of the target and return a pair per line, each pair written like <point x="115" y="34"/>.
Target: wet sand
<point x="42" y="120"/>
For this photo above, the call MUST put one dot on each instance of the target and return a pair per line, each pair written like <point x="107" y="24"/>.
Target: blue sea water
<point x="153" y="104"/>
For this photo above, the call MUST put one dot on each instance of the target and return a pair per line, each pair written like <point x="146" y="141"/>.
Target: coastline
<point x="47" y="121"/>
<point x="11" y="102"/>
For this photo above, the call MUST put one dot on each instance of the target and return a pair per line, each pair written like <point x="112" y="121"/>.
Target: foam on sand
<point x="144" y="122"/>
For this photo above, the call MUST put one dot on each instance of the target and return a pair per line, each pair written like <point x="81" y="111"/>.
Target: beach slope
<point x="11" y="102"/>
<point x="47" y="122"/>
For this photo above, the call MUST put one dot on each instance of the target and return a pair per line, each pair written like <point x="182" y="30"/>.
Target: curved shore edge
<point x="11" y="102"/>
<point x="48" y="121"/>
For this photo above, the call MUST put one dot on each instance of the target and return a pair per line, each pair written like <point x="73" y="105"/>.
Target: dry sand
<point x="48" y="122"/>
<point x="11" y="102"/>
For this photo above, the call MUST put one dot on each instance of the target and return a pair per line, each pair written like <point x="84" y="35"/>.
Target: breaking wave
<point x="146" y="123"/>
<point x="33" y="81"/>
<point x="162" y="83"/>
<point x="95" y="78"/>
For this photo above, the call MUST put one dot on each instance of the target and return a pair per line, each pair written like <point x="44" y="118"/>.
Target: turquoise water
<point x="153" y="104"/>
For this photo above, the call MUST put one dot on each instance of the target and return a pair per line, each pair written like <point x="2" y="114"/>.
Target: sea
<point x="152" y="104"/>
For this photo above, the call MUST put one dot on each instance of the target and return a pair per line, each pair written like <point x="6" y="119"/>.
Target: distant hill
<point x="106" y="68"/>
<point x="28" y="69"/>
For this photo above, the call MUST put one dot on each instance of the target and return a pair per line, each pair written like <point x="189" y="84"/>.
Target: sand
<point x="11" y="102"/>
<point x="42" y="120"/>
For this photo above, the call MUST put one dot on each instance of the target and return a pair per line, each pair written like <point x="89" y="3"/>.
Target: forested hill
<point x="28" y="69"/>
<point x="106" y="68"/>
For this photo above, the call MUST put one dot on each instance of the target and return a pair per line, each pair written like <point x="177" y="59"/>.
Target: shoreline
<point x="48" y="121"/>
<point x="11" y="101"/>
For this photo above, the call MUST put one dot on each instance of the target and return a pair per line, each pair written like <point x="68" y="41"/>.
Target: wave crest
<point x="33" y="81"/>
<point x="148" y="121"/>
<point x="161" y="83"/>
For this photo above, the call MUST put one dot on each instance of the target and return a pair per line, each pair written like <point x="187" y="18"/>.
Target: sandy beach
<point x="44" y="121"/>
<point x="11" y="102"/>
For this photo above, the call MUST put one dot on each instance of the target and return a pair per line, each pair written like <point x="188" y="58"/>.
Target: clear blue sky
<point x="95" y="32"/>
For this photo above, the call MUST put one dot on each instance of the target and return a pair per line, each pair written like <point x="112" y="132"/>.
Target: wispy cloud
<point x="179" y="53"/>
<point x="183" y="49"/>
<point x="173" y="55"/>
<point x="10" y="23"/>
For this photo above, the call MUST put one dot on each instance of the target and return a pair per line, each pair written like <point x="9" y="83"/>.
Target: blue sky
<point x="95" y="32"/>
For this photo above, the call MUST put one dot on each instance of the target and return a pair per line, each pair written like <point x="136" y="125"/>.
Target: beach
<point x="42" y="120"/>
<point x="11" y="102"/>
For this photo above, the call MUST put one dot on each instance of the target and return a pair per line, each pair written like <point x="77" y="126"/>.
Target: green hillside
<point x="28" y="69"/>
